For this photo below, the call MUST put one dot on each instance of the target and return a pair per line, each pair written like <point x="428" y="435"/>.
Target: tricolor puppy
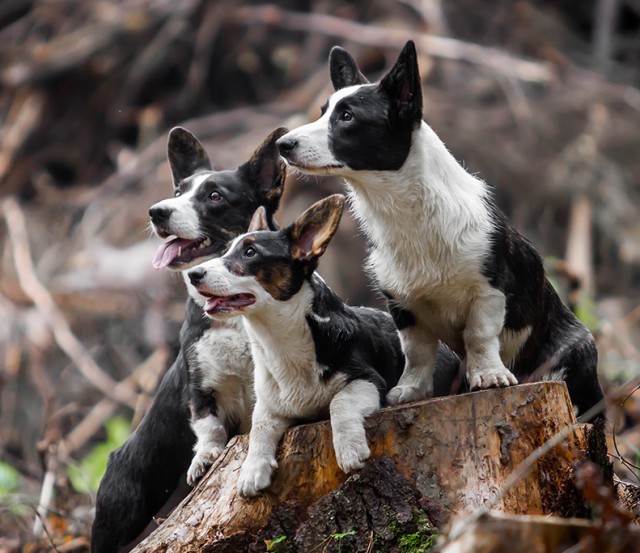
<point x="449" y="263"/>
<point x="209" y="389"/>
<point x="313" y="354"/>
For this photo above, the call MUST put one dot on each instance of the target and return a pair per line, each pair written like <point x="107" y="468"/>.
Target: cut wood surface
<point x="456" y="451"/>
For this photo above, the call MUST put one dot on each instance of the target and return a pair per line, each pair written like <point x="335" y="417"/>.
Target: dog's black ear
<point x="402" y="84"/>
<point x="313" y="230"/>
<point x="259" y="221"/>
<point x="343" y="69"/>
<point x="186" y="155"/>
<point x="267" y="171"/>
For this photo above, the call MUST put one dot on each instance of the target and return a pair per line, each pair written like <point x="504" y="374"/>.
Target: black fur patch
<point x="343" y="69"/>
<point x="270" y="263"/>
<point x="358" y="341"/>
<point x="402" y="317"/>
<point x="514" y="267"/>
<point x="356" y="142"/>
<point x="186" y="155"/>
<point x="372" y="128"/>
<point x="224" y="204"/>
<point x="202" y="402"/>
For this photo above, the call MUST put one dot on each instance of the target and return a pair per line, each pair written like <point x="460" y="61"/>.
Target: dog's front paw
<point x="404" y="393"/>
<point x="255" y="476"/>
<point x="352" y="455"/>
<point x="201" y="461"/>
<point x="495" y="377"/>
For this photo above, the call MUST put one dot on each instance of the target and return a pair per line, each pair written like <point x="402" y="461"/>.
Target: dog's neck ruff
<point x="429" y="215"/>
<point x="281" y="334"/>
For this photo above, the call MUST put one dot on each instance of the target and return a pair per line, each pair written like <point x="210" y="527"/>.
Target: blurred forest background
<point x="540" y="98"/>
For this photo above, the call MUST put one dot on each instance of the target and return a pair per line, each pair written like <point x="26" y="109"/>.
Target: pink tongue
<point x="168" y="251"/>
<point x="212" y="303"/>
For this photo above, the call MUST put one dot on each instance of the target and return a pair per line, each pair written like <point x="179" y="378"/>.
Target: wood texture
<point x="455" y="451"/>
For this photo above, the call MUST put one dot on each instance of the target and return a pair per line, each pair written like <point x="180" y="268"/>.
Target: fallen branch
<point x="62" y="333"/>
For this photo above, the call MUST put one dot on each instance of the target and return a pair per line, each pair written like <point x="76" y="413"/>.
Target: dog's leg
<point x="482" y="344"/>
<point x="211" y="438"/>
<point x="348" y="409"/>
<point x="266" y="430"/>
<point x="420" y="347"/>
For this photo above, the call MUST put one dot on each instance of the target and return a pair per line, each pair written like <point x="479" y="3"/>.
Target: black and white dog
<point x="209" y="389"/>
<point x="208" y="210"/>
<point x="313" y="354"/>
<point x="449" y="263"/>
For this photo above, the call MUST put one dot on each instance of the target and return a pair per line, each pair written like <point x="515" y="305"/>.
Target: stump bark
<point x="455" y="452"/>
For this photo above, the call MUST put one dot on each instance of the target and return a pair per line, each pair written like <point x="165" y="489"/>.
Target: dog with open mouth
<point x="441" y="251"/>
<point x="313" y="354"/>
<point x="207" y="396"/>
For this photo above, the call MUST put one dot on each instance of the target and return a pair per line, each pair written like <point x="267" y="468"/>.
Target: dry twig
<point x="44" y="302"/>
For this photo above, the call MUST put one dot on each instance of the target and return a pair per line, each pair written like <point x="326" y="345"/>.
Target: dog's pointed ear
<point x="267" y="171"/>
<point x="403" y="86"/>
<point x="343" y="69"/>
<point x="186" y="155"/>
<point x="259" y="220"/>
<point x="313" y="230"/>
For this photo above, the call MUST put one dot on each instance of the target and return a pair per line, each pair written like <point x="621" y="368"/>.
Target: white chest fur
<point x="430" y="226"/>
<point x="287" y="375"/>
<point x="226" y="366"/>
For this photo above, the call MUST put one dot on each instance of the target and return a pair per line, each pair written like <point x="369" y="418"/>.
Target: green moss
<point x="418" y="542"/>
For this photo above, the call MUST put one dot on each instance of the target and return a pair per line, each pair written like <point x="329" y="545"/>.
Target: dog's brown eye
<point x="249" y="252"/>
<point x="177" y="193"/>
<point x="346" y="116"/>
<point x="216" y="196"/>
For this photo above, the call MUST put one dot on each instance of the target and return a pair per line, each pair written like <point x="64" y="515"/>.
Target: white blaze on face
<point x="313" y="152"/>
<point x="184" y="221"/>
<point x="218" y="280"/>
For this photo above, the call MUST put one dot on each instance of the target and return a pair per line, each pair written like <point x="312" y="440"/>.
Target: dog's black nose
<point x="196" y="275"/>
<point x="286" y="145"/>
<point x="160" y="215"/>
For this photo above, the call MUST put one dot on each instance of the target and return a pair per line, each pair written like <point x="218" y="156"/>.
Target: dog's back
<point x="160" y="450"/>
<point x="355" y="337"/>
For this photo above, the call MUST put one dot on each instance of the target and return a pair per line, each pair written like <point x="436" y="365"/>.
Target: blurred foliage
<point x="586" y="311"/>
<point x="85" y="476"/>
<point x="9" y="479"/>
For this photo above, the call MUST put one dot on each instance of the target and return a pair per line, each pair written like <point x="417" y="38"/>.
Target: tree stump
<point x="455" y="451"/>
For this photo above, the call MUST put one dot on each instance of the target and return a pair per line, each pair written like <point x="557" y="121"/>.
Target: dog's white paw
<point x="255" y="476"/>
<point x="404" y="393"/>
<point x="200" y="463"/>
<point x="495" y="377"/>
<point x="352" y="455"/>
